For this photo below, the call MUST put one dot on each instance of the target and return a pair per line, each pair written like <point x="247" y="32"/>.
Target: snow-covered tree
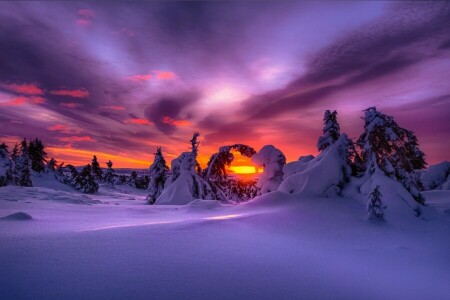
<point x="132" y="179"/>
<point x="23" y="165"/>
<point x="184" y="183"/>
<point x="52" y="165"/>
<point x="70" y="174"/>
<point x="394" y="149"/>
<point x="85" y="181"/>
<point x="96" y="169"/>
<point x="158" y="176"/>
<point x="273" y="161"/>
<point x="215" y="172"/>
<point x="6" y="166"/>
<point x="374" y="205"/>
<point x="331" y="130"/>
<point x="37" y="154"/>
<point x="109" y="175"/>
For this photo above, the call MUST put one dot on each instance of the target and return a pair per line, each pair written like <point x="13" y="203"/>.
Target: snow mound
<point x="320" y="176"/>
<point x="297" y="166"/>
<point x="18" y="216"/>
<point x="436" y="176"/>
<point x="273" y="161"/>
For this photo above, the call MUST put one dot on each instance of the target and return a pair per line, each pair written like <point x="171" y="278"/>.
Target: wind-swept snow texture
<point x="277" y="246"/>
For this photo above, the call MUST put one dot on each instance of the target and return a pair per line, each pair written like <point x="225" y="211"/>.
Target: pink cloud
<point x="25" y="88"/>
<point x="169" y="120"/>
<point x="113" y="107"/>
<point x="70" y="104"/>
<point x="22" y="100"/>
<point x="86" y="13"/>
<point x="79" y="93"/>
<point x="83" y="22"/>
<point x="59" y="127"/>
<point x="164" y="75"/>
<point x="138" y="121"/>
<point x="140" y="77"/>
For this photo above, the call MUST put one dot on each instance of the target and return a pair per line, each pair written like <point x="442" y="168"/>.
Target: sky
<point x="118" y="79"/>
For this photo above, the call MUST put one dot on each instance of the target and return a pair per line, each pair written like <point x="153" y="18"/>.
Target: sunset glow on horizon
<point x="117" y="80"/>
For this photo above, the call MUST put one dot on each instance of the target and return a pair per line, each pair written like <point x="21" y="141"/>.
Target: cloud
<point x="22" y="100"/>
<point x="86" y="13"/>
<point x="166" y="110"/>
<point x="60" y="127"/>
<point x="75" y="138"/>
<point x="113" y="107"/>
<point x="164" y="75"/>
<point x="140" y="77"/>
<point x="138" y="121"/>
<point x="78" y="93"/>
<point x="70" y="104"/>
<point x="24" y="88"/>
<point x="169" y="120"/>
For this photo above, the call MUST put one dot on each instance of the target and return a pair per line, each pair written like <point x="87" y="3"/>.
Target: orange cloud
<point x="69" y="104"/>
<point x="75" y="138"/>
<point x="79" y="93"/>
<point x="139" y="121"/>
<point x="25" y="88"/>
<point x="164" y="75"/>
<point x="169" y="120"/>
<point x="140" y="77"/>
<point x="114" y="107"/>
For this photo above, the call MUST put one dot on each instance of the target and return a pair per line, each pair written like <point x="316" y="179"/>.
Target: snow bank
<point x="273" y="161"/>
<point x="436" y="176"/>
<point x="18" y="216"/>
<point x="297" y="166"/>
<point x="319" y="176"/>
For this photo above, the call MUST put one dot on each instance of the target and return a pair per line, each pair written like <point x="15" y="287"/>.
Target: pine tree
<point x="393" y="149"/>
<point x="52" y="165"/>
<point x="132" y="179"/>
<point x="7" y="166"/>
<point x="38" y="156"/>
<point x="85" y="181"/>
<point x="374" y="205"/>
<point x="23" y="165"/>
<point x="70" y="174"/>
<point x="158" y="176"/>
<point x="96" y="169"/>
<point x="109" y="175"/>
<point x="331" y="130"/>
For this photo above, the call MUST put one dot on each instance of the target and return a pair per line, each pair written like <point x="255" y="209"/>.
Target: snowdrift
<point x="436" y="176"/>
<point x="320" y="176"/>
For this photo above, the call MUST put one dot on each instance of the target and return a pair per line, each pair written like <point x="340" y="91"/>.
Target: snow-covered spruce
<point x="375" y="205"/>
<point x="331" y="130"/>
<point x="37" y="155"/>
<point x="22" y="174"/>
<point x="85" y="181"/>
<point x="215" y="172"/>
<point x="273" y="161"/>
<point x="185" y="184"/>
<point x="52" y="165"/>
<point x="96" y="169"/>
<point x="69" y="174"/>
<point x="158" y="175"/>
<point x="7" y="166"/>
<point x="131" y="181"/>
<point x="109" y="176"/>
<point x="394" y="149"/>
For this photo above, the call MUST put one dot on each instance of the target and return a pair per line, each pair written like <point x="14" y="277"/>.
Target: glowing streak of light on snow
<point x="128" y="225"/>
<point x="224" y="217"/>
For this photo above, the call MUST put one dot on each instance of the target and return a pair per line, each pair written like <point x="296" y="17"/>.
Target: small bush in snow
<point x="374" y="205"/>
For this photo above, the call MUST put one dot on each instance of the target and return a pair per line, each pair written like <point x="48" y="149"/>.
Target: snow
<point x="436" y="176"/>
<point x="111" y="245"/>
<point x="319" y="176"/>
<point x="273" y="161"/>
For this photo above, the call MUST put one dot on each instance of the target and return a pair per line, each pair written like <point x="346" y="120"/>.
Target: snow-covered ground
<point x="279" y="246"/>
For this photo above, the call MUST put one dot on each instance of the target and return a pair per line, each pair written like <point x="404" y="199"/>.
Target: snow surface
<point x="436" y="176"/>
<point x="111" y="245"/>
